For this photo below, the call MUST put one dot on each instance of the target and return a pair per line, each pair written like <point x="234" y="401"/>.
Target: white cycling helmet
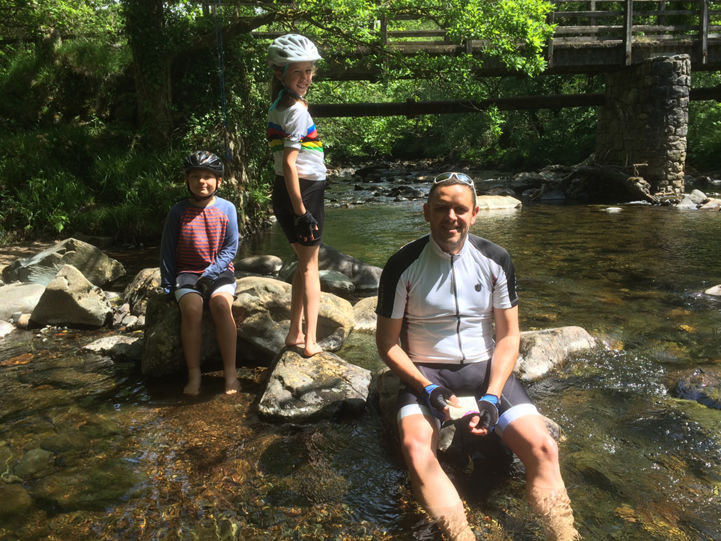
<point x="292" y="48"/>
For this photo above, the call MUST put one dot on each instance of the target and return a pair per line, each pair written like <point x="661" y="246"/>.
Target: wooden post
<point x="628" y="32"/>
<point x="549" y="58"/>
<point x="703" y="30"/>
<point x="384" y="30"/>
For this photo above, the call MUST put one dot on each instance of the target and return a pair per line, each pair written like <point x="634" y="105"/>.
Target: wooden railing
<point x="613" y="29"/>
<point x="631" y="22"/>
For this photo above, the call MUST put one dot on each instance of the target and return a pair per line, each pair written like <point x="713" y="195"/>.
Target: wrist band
<point x="493" y="399"/>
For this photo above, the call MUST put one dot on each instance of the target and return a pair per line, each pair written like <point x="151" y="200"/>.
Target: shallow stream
<point x="91" y="450"/>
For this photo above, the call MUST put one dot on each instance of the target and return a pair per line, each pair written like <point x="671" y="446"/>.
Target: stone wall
<point x="644" y="123"/>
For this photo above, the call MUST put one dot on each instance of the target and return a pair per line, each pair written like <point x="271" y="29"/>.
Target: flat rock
<point x="323" y="386"/>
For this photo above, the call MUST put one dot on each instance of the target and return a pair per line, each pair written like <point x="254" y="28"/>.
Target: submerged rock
<point x="702" y="385"/>
<point x="70" y="299"/>
<point x="42" y="267"/>
<point x="119" y="347"/>
<point x="322" y="386"/>
<point x="15" y="501"/>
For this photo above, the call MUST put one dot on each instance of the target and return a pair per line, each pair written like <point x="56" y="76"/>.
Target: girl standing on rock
<point x="299" y="186"/>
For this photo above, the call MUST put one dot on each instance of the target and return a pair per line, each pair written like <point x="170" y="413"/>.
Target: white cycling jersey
<point x="447" y="301"/>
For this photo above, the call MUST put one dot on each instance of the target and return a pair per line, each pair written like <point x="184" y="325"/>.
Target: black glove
<point x="305" y="227"/>
<point x="488" y="411"/>
<point x="436" y="399"/>
<point x="204" y="286"/>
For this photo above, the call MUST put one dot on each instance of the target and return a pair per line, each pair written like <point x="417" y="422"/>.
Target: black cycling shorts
<point x="313" y="195"/>
<point x="466" y="380"/>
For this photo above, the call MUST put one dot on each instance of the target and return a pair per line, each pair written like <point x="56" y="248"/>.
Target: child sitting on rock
<point x="200" y="240"/>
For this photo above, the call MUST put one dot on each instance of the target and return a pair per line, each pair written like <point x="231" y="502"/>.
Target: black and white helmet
<point x="292" y="48"/>
<point x="202" y="159"/>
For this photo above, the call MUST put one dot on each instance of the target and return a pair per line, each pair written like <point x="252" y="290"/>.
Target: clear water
<point x="89" y="449"/>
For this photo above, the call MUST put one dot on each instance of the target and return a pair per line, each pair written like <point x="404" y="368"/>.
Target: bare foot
<point x="232" y="387"/>
<point x="192" y="388"/>
<point x="312" y="349"/>
<point x="295" y="339"/>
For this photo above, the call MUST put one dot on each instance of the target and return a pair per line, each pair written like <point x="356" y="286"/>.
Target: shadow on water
<point x="89" y="449"/>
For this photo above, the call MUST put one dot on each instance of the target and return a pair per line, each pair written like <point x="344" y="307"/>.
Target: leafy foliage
<point x="101" y="100"/>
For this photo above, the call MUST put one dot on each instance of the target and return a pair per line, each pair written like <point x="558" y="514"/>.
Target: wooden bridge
<point x="590" y="36"/>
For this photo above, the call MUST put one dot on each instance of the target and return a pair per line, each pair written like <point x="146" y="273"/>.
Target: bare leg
<point x="295" y="336"/>
<point x="227" y="335"/>
<point x="431" y="485"/>
<point x="528" y="437"/>
<point x="191" y="321"/>
<point x="309" y="281"/>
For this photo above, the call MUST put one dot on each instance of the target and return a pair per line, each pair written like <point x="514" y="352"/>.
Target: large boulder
<point x="162" y="349"/>
<point x="19" y="297"/>
<point x="145" y="284"/>
<point x="543" y="350"/>
<point x="70" y="299"/>
<point x="365" y="277"/>
<point x="262" y="314"/>
<point x="42" y="267"/>
<point x="336" y="283"/>
<point x="301" y="389"/>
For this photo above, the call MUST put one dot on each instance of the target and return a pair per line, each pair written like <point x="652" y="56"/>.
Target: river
<point x="91" y="450"/>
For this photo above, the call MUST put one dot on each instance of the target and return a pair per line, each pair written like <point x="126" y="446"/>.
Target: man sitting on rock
<point x="200" y="240"/>
<point x="439" y="299"/>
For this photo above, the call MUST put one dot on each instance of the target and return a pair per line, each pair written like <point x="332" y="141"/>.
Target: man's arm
<point x="387" y="334"/>
<point x="388" y="331"/>
<point x="508" y="341"/>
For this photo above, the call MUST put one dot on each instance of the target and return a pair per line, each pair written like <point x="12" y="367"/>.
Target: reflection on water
<point x="90" y="450"/>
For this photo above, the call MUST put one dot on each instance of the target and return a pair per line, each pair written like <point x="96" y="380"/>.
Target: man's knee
<point x="417" y="448"/>
<point x="545" y="449"/>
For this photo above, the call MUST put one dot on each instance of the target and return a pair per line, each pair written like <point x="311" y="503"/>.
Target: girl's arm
<point x="290" y="173"/>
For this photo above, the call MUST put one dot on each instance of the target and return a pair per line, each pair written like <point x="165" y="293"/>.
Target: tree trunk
<point x="145" y="29"/>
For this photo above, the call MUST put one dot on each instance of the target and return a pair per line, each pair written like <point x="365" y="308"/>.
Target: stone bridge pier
<point x="644" y="122"/>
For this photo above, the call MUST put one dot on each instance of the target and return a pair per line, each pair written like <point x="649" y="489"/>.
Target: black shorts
<point x="466" y="380"/>
<point x="313" y="194"/>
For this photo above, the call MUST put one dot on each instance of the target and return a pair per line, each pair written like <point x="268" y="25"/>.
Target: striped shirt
<point x="201" y="240"/>
<point x="293" y="127"/>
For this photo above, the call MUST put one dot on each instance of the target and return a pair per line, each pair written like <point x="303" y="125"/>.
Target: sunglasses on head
<point x="452" y="175"/>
